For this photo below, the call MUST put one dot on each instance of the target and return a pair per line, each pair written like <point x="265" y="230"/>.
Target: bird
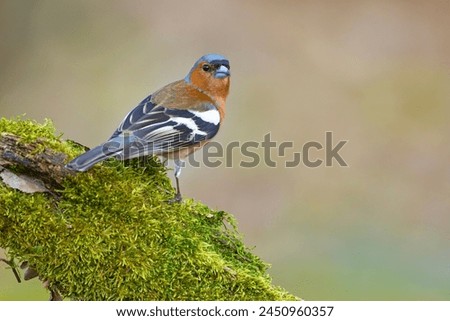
<point x="173" y="122"/>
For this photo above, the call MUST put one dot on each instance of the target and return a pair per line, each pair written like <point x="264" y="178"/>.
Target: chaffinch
<point x="173" y="122"/>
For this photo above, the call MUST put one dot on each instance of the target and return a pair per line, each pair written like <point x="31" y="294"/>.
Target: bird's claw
<point x="176" y="199"/>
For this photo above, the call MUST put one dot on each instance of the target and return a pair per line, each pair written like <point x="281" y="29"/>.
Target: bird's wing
<point x="157" y="129"/>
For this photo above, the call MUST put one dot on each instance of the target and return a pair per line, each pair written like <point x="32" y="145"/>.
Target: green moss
<point x="113" y="236"/>
<point x="45" y="134"/>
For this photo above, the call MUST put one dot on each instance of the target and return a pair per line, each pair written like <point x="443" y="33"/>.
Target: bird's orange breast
<point x="183" y="95"/>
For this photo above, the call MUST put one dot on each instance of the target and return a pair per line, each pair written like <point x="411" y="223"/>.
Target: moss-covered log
<point x="110" y="234"/>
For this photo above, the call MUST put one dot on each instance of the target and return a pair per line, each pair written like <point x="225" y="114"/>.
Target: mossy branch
<point x="110" y="234"/>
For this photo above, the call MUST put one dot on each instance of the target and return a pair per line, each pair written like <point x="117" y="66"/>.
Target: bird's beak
<point x="222" y="72"/>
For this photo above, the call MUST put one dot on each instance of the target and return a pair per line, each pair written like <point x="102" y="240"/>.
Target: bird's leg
<point x="178" y="196"/>
<point x="178" y="165"/>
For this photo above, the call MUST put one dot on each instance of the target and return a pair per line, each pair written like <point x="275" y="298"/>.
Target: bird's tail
<point x="85" y="161"/>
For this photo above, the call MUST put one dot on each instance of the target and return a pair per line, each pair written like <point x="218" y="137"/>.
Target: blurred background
<point x="374" y="73"/>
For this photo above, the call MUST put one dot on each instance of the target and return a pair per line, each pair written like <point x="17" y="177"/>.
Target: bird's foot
<point x="176" y="199"/>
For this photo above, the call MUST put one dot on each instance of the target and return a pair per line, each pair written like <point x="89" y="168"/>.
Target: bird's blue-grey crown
<point x="222" y="65"/>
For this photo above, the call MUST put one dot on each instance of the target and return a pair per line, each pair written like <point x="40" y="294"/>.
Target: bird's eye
<point x="206" y="67"/>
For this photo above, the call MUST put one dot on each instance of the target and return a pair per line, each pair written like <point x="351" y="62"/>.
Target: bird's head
<point x="211" y="74"/>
